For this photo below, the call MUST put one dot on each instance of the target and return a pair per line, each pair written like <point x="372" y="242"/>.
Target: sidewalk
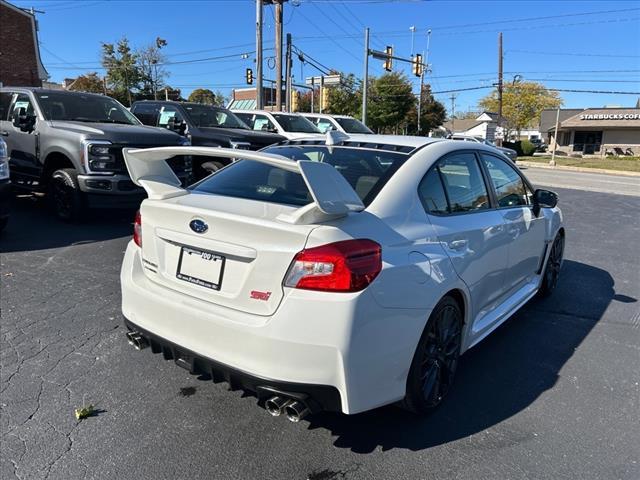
<point x="577" y="169"/>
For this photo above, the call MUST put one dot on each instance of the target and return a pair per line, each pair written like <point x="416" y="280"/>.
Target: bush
<point x="524" y="147"/>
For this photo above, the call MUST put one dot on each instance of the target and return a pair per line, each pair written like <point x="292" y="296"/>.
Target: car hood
<point x="120" y="133"/>
<point x="241" y="135"/>
<point x="507" y="150"/>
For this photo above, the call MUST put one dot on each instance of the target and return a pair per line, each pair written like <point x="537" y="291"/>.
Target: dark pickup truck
<point x="204" y="126"/>
<point x="69" y="146"/>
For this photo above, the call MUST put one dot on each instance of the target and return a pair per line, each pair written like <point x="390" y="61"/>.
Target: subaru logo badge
<point x="198" y="226"/>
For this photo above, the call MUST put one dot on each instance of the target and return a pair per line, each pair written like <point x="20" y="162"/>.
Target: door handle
<point x="458" y="245"/>
<point x="4" y="133"/>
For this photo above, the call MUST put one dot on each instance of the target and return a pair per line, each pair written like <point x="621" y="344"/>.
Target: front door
<point x="525" y="231"/>
<point x="470" y="231"/>
<point x="22" y="146"/>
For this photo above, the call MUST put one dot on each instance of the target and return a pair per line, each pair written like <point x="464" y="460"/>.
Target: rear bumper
<point x="317" y="397"/>
<point x="345" y="351"/>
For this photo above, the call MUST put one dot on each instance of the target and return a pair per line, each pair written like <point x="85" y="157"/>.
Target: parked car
<point x="289" y="125"/>
<point x="333" y="276"/>
<point x="539" y="144"/>
<point x="341" y="123"/>
<point x="5" y="185"/>
<point x="511" y="154"/>
<point x="69" y="145"/>
<point x="204" y="125"/>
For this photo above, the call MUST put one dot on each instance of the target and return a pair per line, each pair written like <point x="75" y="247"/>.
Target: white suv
<point x="341" y="123"/>
<point x="289" y="125"/>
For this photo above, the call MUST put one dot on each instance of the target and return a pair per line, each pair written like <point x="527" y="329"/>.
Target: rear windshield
<point x="351" y="125"/>
<point x="367" y="171"/>
<point x="295" y="123"/>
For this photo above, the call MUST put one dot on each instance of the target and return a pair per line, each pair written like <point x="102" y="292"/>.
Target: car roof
<point x="48" y="90"/>
<point x="322" y="115"/>
<point x="392" y="143"/>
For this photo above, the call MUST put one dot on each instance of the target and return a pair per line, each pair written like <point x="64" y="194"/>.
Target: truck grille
<point x="181" y="164"/>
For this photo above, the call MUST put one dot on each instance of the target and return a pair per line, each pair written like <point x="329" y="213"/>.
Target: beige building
<point x="594" y="131"/>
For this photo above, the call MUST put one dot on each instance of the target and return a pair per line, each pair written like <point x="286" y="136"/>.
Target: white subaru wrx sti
<point x="336" y="275"/>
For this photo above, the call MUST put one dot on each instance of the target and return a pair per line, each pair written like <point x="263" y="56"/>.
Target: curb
<point x="577" y="169"/>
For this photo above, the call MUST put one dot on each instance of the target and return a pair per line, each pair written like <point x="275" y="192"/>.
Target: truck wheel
<point x="210" y="167"/>
<point x="67" y="201"/>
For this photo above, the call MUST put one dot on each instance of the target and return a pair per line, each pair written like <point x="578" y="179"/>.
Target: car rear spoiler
<point x="332" y="195"/>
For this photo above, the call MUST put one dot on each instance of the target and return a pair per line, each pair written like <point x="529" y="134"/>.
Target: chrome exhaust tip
<point x="296" y="411"/>
<point x="136" y="340"/>
<point x="275" y="405"/>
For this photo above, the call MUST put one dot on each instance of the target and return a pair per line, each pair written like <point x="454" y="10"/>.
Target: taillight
<point x="347" y="266"/>
<point x="137" y="229"/>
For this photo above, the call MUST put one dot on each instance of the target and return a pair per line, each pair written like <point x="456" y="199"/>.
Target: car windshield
<point x="351" y="125"/>
<point x="83" y="108"/>
<point x="367" y="171"/>
<point x="295" y="123"/>
<point x="208" y="116"/>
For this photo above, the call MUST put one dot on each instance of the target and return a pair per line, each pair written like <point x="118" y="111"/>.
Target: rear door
<point x="525" y="231"/>
<point x="472" y="233"/>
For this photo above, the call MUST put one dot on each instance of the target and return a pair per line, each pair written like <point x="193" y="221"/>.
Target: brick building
<point x="20" y="63"/>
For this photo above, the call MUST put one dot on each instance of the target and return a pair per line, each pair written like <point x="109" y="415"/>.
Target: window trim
<point x="489" y="188"/>
<point x="494" y="193"/>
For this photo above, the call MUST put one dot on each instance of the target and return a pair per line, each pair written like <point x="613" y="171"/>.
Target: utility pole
<point x="313" y="92"/>
<point x="278" y="54"/>
<point x="500" y="85"/>
<point x="259" y="99"/>
<point x="288" y="65"/>
<point x="424" y="70"/>
<point x="365" y="81"/>
<point x="453" y="109"/>
<point x="552" y="162"/>
<point x="322" y="93"/>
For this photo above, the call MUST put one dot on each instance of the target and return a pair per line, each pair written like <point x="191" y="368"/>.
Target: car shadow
<point x="33" y="227"/>
<point x="500" y="377"/>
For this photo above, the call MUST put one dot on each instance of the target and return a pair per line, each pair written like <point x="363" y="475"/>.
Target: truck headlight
<point x="4" y="161"/>
<point x="99" y="157"/>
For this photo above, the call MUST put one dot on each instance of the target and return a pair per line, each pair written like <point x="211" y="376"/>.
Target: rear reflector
<point x="347" y="266"/>
<point x="137" y="229"/>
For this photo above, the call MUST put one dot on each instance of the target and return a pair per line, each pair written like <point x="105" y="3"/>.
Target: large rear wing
<point x="332" y="195"/>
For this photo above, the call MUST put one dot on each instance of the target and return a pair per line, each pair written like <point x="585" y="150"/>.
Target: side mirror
<point x="23" y="120"/>
<point x="543" y="199"/>
<point x="178" y="127"/>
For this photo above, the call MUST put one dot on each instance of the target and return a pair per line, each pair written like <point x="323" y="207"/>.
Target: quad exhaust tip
<point x="136" y="340"/>
<point x="296" y="411"/>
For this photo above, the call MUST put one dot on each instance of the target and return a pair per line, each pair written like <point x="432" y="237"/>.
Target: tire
<point x="210" y="167"/>
<point x="436" y="359"/>
<point x="68" y="202"/>
<point x="552" y="269"/>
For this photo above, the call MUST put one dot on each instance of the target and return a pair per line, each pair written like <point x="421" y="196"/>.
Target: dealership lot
<point x="551" y="394"/>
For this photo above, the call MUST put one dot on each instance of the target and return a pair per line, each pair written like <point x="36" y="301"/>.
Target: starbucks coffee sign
<point x="610" y="116"/>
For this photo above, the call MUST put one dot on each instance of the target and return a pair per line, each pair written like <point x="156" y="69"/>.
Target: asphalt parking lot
<point x="554" y="393"/>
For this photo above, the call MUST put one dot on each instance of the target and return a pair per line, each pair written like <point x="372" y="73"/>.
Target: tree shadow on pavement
<point x="500" y="377"/>
<point x="33" y="227"/>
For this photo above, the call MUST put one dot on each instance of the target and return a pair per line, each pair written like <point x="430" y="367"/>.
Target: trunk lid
<point x="239" y="260"/>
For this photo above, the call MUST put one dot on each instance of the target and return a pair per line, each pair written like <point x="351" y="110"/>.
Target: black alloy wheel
<point x="552" y="270"/>
<point x="436" y="359"/>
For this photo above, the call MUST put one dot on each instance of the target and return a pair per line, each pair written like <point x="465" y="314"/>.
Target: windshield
<point x="367" y="171"/>
<point x="351" y="125"/>
<point x="295" y="123"/>
<point x="83" y="108"/>
<point x="208" y="116"/>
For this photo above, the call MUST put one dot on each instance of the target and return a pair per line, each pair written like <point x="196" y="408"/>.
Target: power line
<point x="568" y="54"/>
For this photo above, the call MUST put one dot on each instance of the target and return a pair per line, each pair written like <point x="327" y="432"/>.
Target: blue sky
<point x="563" y="44"/>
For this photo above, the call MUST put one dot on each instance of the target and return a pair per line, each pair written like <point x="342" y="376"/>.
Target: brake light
<point x="347" y="266"/>
<point x="137" y="229"/>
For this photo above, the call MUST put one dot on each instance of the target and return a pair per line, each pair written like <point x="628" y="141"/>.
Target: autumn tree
<point x="522" y="104"/>
<point x="89" y="82"/>
<point x="432" y="113"/>
<point x="152" y="74"/>
<point x="123" y="74"/>
<point x="390" y="101"/>
<point x="203" y="95"/>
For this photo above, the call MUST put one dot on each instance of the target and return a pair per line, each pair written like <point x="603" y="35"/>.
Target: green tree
<point x="89" y="82"/>
<point x="432" y="113"/>
<point x="390" y="101"/>
<point x="522" y="104"/>
<point x="123" y="74"/>
<point x="169" y="93"/>
<point x="152" y="74"/>
<point x="203" y="95"/>
<point x="221" y="99"/>
<point x="345" y="98"/>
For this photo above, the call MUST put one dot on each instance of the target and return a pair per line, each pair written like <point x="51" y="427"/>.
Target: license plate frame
<point x="189" y="277"/>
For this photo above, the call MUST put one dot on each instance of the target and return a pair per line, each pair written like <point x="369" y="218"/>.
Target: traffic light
<point x="417" y="65"/>
<point x="249" y="76"/>
<point x="295" y="95"/>
<point x="388" y="62"/>
<point x="324" y="98"/>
